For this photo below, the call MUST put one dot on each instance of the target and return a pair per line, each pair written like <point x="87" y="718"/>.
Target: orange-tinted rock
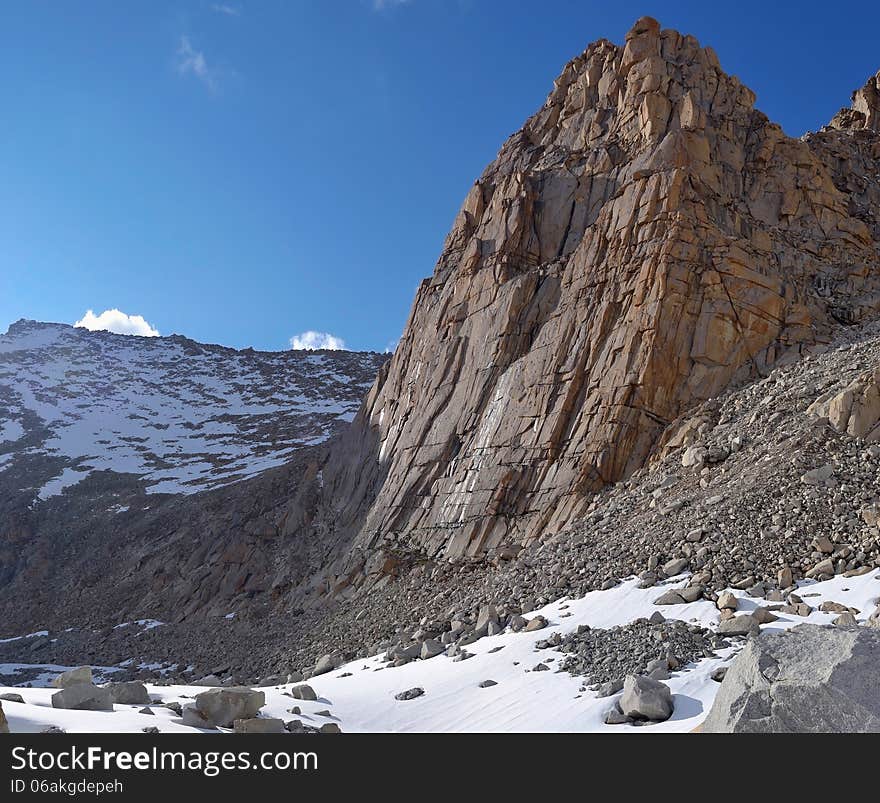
<point x="644" y="240"/>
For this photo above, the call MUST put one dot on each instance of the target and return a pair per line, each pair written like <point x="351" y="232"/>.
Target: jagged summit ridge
<point x="645" y="240"/>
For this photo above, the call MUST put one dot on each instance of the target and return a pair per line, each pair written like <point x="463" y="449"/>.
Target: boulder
<point x="327" y="663"/>
<point x="486" y="616"/>
<point x="535" y="623"/>
<point x="83" y="697"/>
<point x="728" y="600"/>
<point x="4" y="725"/>
<point x="11" y="697"/>
<point x="223" y="706"/>
<point x="670" y="597"/>
<point x="82" y="674"/>
<point x="131" y="693"/>
<point x="303" y="692"/>
<point x="807" y="679"/>
<point x="646" y="698"/>
<point x="744" y="625"/>
<point x="430" y="648"/>
<point x="194" y="718"/>
<point x="329" y="727"/>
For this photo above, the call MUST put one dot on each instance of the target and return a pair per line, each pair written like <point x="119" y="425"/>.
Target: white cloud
<point x="114" y="320"/>
<point x="192" y="62"/>
<point x="225" y="8"/>
<point x="317" y="340"/>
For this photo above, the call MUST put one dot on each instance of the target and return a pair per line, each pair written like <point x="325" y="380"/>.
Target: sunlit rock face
<point x="645" y="240"/>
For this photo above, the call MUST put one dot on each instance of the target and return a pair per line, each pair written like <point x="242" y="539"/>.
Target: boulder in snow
<point x="131" y="693"/>
<point x="83" y="697"/>
<point x="223" y="706"/>
<point x="82" y="674"/>
<point x="259" y="725"/>
<point x="646" y="698"/>
<point x="807" y="679"/>
<point x="303" y="692"/>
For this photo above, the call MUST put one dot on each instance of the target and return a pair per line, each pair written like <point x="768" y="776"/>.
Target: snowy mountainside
<point x="178" y="415"/>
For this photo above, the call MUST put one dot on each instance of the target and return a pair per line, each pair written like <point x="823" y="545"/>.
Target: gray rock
<point x="146" y="711"/>
<point x="82" y="674"/>
<point x="223" y="706"/>
<point x="259" y="725"/>
<point x="150" y="729"/>
<point x="517" y="623"/>
<point x="430" y="648"/>
<point x="4" y="725"/>
<point x="613" y="716"/>
<point x="609" y="687"/>
<point x="807" y="679"/>
<point x="175" y="707"/>
<point x="327" y="663"/>
<point x="845" y="620"/>
<point x="487" y="615"/>
<point x="485" y="684"/>
<point x="743" y="625"/>
<point x="410" y="694"/>
<point x="763" y="616"/>
<point x="131" y="693"/>
<point x="11" y="697"/>
<point x="675" y="566"/>
<point x="670" y="597"/>
<point x="303" y="692"/>
<point x="329" y="727"/>
<point x="208" y="680"/>
<point x="691" y="593"/>
<point x="83" y="697"/>
<point x="645" y="698"/>
<point x="193" y="718"/>
<point x="728" y="600"/>
<point x="535" y="623"/>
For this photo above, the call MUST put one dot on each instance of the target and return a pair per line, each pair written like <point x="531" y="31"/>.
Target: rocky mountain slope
<point x="122" y="457"/>
<point x="647" y="240"/>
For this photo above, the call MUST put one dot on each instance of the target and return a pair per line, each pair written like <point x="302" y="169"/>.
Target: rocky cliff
<point x="646" y="240"/>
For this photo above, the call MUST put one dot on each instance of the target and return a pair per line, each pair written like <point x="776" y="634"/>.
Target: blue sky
<point x="241" y="171"/>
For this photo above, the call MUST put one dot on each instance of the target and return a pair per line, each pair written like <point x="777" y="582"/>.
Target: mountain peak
<point x="864" y="111"/>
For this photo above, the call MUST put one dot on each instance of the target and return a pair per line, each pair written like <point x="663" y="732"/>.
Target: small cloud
<point x="311" y="341"/>
<point x="114" y="320"/>
<point x="192" y="62"/>
<point x="382" y="5"/>
<point x="228" y="10"/>
<point x="392" y="346"/>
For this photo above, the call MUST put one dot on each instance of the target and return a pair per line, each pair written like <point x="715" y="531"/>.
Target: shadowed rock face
<point x="645" y="240"/>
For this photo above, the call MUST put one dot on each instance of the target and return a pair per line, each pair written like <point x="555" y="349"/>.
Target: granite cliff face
<point x="646" y="240"/>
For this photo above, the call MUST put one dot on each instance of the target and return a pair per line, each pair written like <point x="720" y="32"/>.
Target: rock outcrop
<point x="864" y="113"/>
<point x="809" y="679"/>
<point x="647" y="239"/>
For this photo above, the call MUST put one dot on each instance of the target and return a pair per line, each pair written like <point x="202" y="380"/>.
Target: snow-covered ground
<point x="182" y="415"/>
<point x="360" y="696"/>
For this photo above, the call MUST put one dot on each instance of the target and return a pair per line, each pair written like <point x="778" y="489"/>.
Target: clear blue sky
<point x="241" y="171"/>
